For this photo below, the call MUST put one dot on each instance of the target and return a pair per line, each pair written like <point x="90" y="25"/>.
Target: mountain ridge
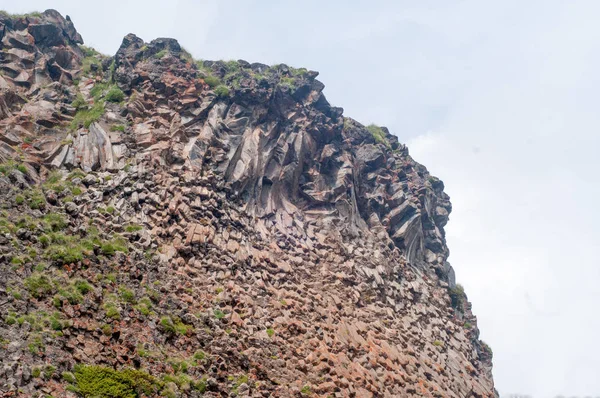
<point x="294" y="223"/>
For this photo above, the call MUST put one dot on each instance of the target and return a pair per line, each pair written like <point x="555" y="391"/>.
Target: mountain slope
<point x="181" y="228"/>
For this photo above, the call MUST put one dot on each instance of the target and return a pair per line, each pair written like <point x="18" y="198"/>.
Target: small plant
<point x="127" y="295"/>
<point x="117" y="127"/>
<point x="222" y="91"/>
<point x="378" y="134"/>
<point x="457" y="297"/>
<point x="270" y="332"/>
<point x="68" y="377"/>
<point x="174" y="326"/>
<point x="79" y="102"/>
<point x="305" y="390"/>
<point x="112" y="311"/>
<point x="85" y="117"/>
<point x="219" y="314"/>
<point x="19" y="199"/>
<point x="161" y="54"/>
<point x="114" y="95"/>
<point x="106" y="330"/>
<point x="93" y="381"/>
<point x="199" y="355"/>
<point x="133" y="228"/>
<point x="39" y="285"/>
<point x="438" y="343"/>
<point x="212" y="81"/>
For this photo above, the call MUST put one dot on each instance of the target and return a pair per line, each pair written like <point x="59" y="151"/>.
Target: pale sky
<point x="497" y="98"/>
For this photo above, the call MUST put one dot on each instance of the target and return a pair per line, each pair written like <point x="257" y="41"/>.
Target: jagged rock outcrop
<point x="239" y="214"/>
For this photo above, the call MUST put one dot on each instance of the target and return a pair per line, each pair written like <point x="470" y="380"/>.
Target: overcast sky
<point x="497" y="98"/>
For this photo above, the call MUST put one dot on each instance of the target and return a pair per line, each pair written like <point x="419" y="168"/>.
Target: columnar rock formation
<point x="218" y="226"/>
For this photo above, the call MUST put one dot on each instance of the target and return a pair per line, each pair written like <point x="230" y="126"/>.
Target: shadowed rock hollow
<point x="233" y="232"/>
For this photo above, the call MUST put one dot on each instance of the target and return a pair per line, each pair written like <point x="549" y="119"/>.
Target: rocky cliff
<point x="173" y="227"/>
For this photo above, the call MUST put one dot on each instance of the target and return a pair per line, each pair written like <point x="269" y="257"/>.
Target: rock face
<point x="217" y="225"/>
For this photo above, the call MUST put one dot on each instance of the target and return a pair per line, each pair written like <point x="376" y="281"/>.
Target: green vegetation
<point x="133" y="228"/>
<point x="68" y="377"/>
<point x="222" y="91"/>
<point x="174" y="326"/>
<point x="72" y="292"/>
<point x="270" y="332"/>
<point x="88" y="61"/>
<point x="487" y="348"/>
<point x="212" y="81"/>
<point x="219" y="314"/>
<point x="288" y="82"/>
<point x="93" y="381"/>
<point x="39" y="285"/>
<point x="112" y="311"/>
<point x="10" y="165"/>
<point x="457" y="297"/>
<point x="88" y="51"/>
<point x="127" y="295"/>
<point x="117" y="127"/>
<point x="305" y="390"/>
<point x="438" y="343"/>
<point x="161" y="54"/>
<point x="79" y="102"/>
<point x="378" y="134"/>
<point x="85" y="117"/>
<point x="114" y="95"/>
<point x="54" y="222"/>
<point x="144" y="306"/>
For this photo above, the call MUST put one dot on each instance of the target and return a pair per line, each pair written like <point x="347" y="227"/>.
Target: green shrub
<point x="117" y="244"/>
<point x="117" y="127"/>
<point x="68" y="377"/>
<point x="85" y="117"/>
<point x="457" y="296"/>
<point x="270" y="332"/>
<point x="378" y="134"/>
<point x="222" y="91"/>
<point x="161" y="54"/>
<point x="67" y="254"/>
<point x="38" y="285"/>
<point x="212" y="81"/>
<point x="174" y="326"/>
<point x="83" y="286"/>
<point x="133" y="228"/>
<point x="219" y="314"/>
<point x="55" y="222"/>
<point x="19" y="199"/>
<point x="112" y="311"/>
<point x="305" y="390"/>
<point x="79" y="102"/>
<point x="438" y="343"/>
<point x="36" y="372"/>
<point x="93" y="381"/>
<point x="127" y="295"/>
<point x="115" y="95"/>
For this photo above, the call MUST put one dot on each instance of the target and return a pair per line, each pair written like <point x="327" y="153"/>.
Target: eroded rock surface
<point x="299" y="251"/>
